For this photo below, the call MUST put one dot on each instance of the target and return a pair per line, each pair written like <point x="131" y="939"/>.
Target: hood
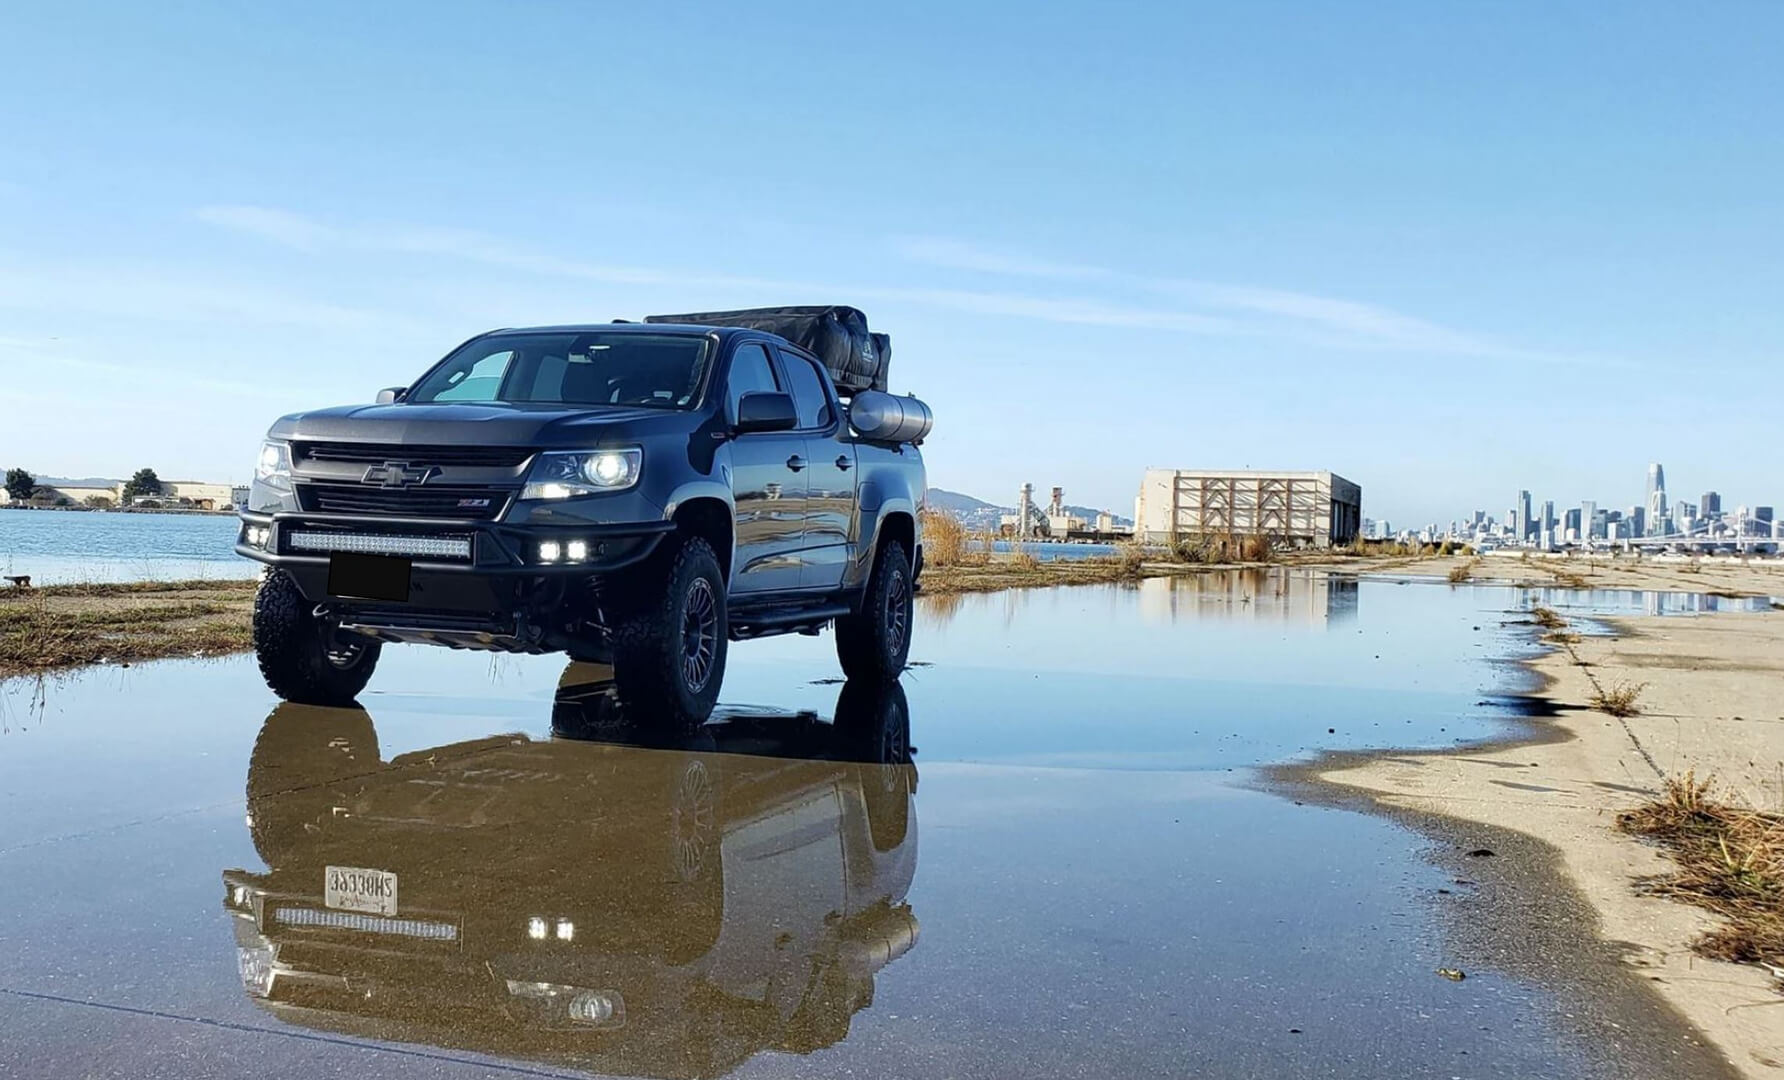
<point x="480" y="424"/>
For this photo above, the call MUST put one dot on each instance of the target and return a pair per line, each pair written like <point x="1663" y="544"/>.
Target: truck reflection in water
<point x="601" y="899"/>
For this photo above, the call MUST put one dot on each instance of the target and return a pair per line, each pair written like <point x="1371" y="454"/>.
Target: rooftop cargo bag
<point x="838" y="336"/>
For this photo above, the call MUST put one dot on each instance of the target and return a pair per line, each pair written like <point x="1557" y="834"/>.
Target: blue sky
<point x="1448" y="250"/>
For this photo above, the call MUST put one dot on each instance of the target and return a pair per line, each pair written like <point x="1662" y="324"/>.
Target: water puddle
<point x="487" y="868"/>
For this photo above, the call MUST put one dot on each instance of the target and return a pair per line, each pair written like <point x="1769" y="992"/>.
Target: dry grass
<point x="63" y="626"/>
<point x="1548" y="618"/>
<point x="1618" y="699"/>
<point x="1205" y="549"/>
<point x="1129" y="560"/>
<point x="945" y="540"/>
<point x="1257" y="548"/>
<point x="1461" y="574"/>
<point x="1022" y="558"/>
<point x="1731" y="862"/>
<point x="1005" y="574"/>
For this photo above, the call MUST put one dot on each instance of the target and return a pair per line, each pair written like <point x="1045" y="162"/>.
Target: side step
<point x="803" y="620"/>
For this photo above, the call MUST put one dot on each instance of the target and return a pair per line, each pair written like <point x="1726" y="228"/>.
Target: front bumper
<point x="502" y="573"/>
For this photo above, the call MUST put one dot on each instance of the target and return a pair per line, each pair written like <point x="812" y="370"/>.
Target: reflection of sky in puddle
<point x="1097" y="896"/>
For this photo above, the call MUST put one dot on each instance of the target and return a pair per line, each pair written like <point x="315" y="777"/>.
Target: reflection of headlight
<point x="583" y="472"/>
<point x="274" y="467"/>
<point x="256" y="965"/>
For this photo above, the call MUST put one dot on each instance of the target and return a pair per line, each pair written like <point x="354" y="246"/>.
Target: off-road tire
<point x="302" y="659"/>
<point x="875" y="719"/>
<point x="875" y="642"/>
<point x="656" y="681"/>
<point x="306" y="762"/>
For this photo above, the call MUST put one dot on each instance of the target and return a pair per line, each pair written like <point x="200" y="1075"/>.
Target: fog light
<point x="536" y="928"/>
<point x="576" y="550"/>
<point x="565" y="929"/>
<point x="590" y="1007"/>
<point x="549" y="551"/>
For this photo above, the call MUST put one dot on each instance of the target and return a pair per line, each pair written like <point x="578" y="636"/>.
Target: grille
<point x="429" y="500"/>
<point x="492" y="457"/>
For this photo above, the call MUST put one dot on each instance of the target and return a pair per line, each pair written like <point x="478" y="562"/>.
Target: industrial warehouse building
<point x="1302" y="509"/>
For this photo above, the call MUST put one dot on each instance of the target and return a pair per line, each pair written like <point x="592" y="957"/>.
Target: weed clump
<point x="945" y="541"/>
<point x="1731" y="862"/>
<point x="1548" y="618"/>
<point x="1618" y="700"/>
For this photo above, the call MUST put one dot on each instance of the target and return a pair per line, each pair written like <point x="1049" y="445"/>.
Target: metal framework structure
<point x="1314" y="509"/>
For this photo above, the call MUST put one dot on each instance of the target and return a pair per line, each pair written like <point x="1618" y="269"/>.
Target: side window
<point x="750" y="373"/>
<point x="809" y="395"/>
<point x="548" y="381"/>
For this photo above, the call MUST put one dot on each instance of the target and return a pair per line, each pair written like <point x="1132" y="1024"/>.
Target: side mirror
<point x="391" y="395"/>
<point x="761" y="411"/>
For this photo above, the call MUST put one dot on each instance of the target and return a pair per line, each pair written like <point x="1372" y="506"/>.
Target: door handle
<point x="843" y="462"/>
<point x="796" y="463"/>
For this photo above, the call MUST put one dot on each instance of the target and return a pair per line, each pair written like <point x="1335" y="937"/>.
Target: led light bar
<point x="446" y="547"/>
<point x="370" y="924"/>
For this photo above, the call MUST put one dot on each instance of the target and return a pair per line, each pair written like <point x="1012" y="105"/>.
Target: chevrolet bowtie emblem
<point x="396" y="474"/>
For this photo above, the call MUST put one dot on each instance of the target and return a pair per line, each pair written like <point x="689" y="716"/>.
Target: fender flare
<point x="706" y="489"/>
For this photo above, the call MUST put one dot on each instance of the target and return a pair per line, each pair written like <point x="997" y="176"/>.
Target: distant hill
<point x="955" y="503"/>
<point x="979" y="514"/>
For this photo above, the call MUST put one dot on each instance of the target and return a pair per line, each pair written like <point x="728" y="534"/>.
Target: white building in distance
<point x="1303" y="509"/>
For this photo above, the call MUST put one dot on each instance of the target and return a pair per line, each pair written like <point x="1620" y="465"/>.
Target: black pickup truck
<point x="638" y="494"/>
<point x="682" y="901"/>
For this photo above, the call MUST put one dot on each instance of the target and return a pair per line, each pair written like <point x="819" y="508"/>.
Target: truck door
<point x="768" y="484"/>
<point x="830" y="500"/>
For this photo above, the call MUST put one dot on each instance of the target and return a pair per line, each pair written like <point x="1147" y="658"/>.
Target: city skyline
<point x="1659" y="515"/>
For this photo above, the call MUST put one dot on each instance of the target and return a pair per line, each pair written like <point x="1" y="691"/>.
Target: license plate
<point x="351" y="888"/>
<point x="368" y="577"/>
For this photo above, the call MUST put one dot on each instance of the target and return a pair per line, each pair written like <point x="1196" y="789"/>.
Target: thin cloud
<point x="959" y="255"/>
<point x="1241" y="310"/>
<point x="304" y="234"/>
<point x="278" y="226"/>
<point x="1197" y="307"/>
<point x="150" y="292"/>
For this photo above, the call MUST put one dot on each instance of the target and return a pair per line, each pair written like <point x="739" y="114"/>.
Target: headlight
<point x="274" y="467"/>
<point x="582" y="472"/>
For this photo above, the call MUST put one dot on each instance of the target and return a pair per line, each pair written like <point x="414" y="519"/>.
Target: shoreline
<point x="56" y="628"/>
<point x="1544" y="797"/>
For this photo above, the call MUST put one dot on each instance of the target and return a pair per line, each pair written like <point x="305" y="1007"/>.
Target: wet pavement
<point x="489" y="871"/>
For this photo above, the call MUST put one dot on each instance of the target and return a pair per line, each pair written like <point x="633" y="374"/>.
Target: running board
<point x="804" y="620"/>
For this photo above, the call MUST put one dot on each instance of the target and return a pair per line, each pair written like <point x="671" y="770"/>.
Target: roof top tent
<point x="856" y="357"/>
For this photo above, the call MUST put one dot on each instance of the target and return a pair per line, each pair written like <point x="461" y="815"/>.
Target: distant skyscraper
<point x="1637" y="520"/>
<point x="1710" y="505"/>
<point x="1548" y="515"/>
<point x="1656" y="494"/>
<point x="1570" y="525"/>
<point x="1588" y="519"/>
<point x="1524" y="526"/>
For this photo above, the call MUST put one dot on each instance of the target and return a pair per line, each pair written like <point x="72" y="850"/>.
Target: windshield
<point x="599" y="367"/>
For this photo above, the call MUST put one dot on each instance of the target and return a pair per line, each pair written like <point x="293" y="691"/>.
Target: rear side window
<point x="751" y="373"/>
<point x="809" y="396"/>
